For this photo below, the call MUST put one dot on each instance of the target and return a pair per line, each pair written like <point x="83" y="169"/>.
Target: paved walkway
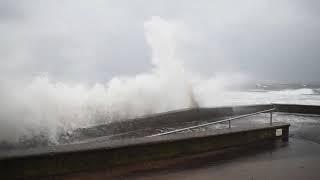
<point x="297" y="159"/>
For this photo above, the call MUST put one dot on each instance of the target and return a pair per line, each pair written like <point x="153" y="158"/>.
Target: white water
<point x="43" y="106"/>
<point x="297" y="96"/>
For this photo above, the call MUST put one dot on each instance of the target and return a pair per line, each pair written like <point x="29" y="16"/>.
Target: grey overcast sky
<point x="94" y="40"/>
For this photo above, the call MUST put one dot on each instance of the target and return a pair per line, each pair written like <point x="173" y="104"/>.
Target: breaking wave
<point x="45" y="109"/>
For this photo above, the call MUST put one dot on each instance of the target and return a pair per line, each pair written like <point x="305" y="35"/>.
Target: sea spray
<point x="47" y="108"/>
<point x="40" y="110"/>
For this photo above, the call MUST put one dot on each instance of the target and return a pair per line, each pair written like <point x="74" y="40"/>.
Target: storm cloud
<point x="93" y="41"/>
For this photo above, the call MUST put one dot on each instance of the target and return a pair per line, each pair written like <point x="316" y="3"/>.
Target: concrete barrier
<point x="240" y="110"/>
<point x="298" y="109"/>
<point x="161" y="120"/>
<point x="63" y="160"/>
<point x="174" y="118"/>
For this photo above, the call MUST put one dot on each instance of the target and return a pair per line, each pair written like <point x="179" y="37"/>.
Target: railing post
<point x="271" y="118"/>
<point x="229" y="123"/>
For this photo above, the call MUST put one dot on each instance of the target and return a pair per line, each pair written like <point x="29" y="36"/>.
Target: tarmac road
<point x="297" y="159"/>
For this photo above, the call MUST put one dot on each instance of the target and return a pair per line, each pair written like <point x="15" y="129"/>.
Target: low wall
<point x="177" y="117"/>
<point x="299" y="109"/>
<point x="162" y="120"/>
<point x="64" y="160"/>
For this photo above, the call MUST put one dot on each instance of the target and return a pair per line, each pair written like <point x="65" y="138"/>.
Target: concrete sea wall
<point x="60" y="161"/>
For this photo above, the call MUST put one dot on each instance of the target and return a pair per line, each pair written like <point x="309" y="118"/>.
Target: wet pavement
<point x="297" y="159"/>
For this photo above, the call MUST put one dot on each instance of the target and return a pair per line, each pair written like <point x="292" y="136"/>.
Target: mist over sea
<point x="38" y="111"/>
<point x="256" y="93"/>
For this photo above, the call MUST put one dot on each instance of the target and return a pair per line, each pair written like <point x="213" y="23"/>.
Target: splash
<point x="48" y="108"/>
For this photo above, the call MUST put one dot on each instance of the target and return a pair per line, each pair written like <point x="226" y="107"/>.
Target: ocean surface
<point x="269" y="93"/>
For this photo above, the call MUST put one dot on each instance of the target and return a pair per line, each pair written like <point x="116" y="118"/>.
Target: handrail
<point x="216" y="122"/>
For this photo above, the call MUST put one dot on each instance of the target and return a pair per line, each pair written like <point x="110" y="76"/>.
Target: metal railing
<point x="216" y="122"/>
